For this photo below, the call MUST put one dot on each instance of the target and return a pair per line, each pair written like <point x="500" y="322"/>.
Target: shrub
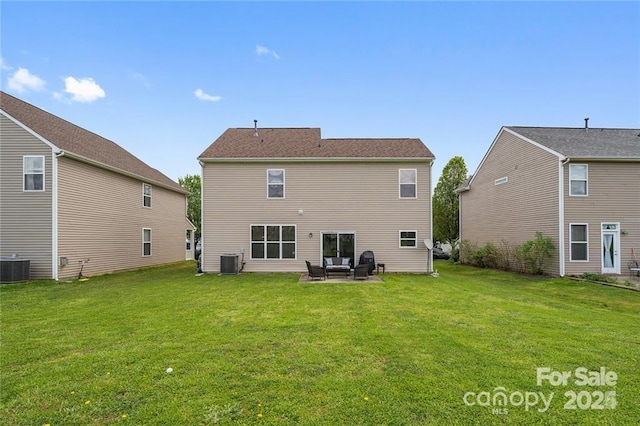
<point x="465" y="252"/>
<point x="531" y="256"/>
<point x="455" y="252"/>
<point x="536" y="253"/>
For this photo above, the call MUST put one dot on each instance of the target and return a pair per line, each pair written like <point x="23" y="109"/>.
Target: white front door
<point x="610" y="248"/>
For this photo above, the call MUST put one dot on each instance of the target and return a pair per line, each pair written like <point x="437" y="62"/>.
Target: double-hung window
<point x="579" y="242"/>
<point x="408" y="183"/>
<point x="578" y="178"/>
<point x="146" y="242"/>
<point x="408" y="239"/>
<point x="275" y="183"/>
<point x="33" y="171"/>
<point x="146" y="195"/>
<point x="273" y="241"/>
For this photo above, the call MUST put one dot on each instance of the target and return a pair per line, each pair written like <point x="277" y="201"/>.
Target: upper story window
<point x="33" y="170"/>
<point x="408" y="183"/>
<point x="275" y="183"/>
<point x="578" y="178"/>
<point x="408" y="239"/>
<point x="146" y="195"/>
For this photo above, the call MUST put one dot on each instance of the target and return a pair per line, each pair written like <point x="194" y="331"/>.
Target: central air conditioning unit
<point x="14" y="269"/>
<point x="229" y="264"/>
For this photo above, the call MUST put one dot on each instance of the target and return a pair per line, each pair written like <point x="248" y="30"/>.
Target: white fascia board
<point x="606" y="159"/>
<point x="29" y="130"/>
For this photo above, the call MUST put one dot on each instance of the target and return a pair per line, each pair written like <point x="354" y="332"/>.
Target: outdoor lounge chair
<point x="315" y="271"/>
<point x="361" y="272"/>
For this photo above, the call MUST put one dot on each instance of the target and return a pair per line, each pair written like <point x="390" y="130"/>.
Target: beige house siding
<point x="26" y="225"/>
<point x="613" y="197"/>
<point x="359" y="197"/>
<point x="513" y="211"/>
<point x="101" y="217"/>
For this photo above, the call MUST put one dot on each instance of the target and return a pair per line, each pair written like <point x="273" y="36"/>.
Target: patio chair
<point x="361" y="272"/>
<point x="315" y="271"/>
<point x="634" y="268"/>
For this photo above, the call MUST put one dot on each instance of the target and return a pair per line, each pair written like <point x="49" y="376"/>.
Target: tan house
<point x="72" y="200"/>
<point x="579" y="186"/>
<point x="281" y="196"/>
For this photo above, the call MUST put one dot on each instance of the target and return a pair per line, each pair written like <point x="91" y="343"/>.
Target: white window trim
<point x="24" y="172"/>
<point x="147" y="242"/>
<point x="581" y="242"/>
<point x="284" y="181"/>
<point x="145" y="195"/>
<point x="415" y="183"/>
<point x="295" y="242"/>
<point x="501" y="181"/>
<point x="586" y="181"/>
<point x="400" y="239"/>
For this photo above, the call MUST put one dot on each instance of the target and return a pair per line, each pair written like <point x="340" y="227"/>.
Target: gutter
<point x="315" y="159"/>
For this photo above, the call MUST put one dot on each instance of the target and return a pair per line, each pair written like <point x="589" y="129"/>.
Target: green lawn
<point x="265" y="349"/>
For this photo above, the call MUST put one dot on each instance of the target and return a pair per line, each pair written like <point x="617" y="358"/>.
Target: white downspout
<point x="561" y="240"/>
<point x="54" y="214"/>
<point x="430" y="251"/>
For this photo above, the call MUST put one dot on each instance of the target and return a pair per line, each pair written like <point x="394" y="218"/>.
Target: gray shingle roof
<point x="306" y="143"/>
<point x="76" y="140"/>
<point x="594" y="143"/>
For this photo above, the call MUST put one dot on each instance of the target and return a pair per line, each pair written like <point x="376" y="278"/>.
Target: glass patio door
<point x="339" y="244"/>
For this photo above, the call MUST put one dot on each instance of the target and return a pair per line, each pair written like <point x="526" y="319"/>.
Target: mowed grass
<point x="266" y="349"/>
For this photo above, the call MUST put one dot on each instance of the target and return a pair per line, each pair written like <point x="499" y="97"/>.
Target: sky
<point x="165" y="79"/>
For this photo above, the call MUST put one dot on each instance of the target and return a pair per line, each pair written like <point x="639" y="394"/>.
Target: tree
<point x="445" y="201"/>
<point x="193" y="184"/>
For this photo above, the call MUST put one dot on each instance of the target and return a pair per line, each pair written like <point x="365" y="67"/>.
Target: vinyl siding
<point x="513" y="211"/>
<point x="613" y="197"/>
<point x="25" y="217"/>
<point x="341" y="197"/>
<point x="101" y="218"/>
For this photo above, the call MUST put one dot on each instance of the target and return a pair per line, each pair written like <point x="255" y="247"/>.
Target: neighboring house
<point x="283" y="196"/>
<point x="71" y="198"/>
<point x="579" y="186"/>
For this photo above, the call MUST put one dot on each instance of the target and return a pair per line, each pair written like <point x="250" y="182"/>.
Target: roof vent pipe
<point x="586" y="123"/>
<point x="255" y="127"/>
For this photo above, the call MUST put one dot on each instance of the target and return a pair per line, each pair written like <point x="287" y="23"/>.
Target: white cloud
<point x="83" y="90"/>
<point x="22" y="80"/>
<point x="141" y="78"/>
<point x="205" y="97"/>
<point x="4" y="66"/>
<point x="261" y="51"/>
